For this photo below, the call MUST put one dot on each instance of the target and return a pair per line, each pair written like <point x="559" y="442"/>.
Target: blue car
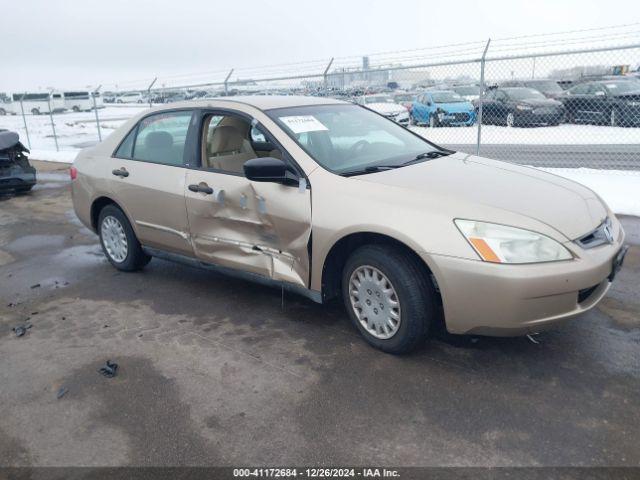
<point x="442" y="108"/>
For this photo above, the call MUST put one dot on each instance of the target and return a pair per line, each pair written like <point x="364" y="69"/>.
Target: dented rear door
<point x="262" y="228"/>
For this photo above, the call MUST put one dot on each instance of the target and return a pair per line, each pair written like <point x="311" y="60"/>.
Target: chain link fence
<point x="509" y="100"/>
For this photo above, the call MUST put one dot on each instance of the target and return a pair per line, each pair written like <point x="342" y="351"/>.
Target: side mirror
<point x="267" y="169"/>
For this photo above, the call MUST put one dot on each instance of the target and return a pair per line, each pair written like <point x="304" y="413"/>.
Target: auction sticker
<point x="303" y="123"/>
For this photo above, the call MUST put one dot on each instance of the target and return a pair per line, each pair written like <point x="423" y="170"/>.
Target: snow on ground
<point x="565" y="134"/>
<point x="74" y="130"/>
<point x="619" y="189"/>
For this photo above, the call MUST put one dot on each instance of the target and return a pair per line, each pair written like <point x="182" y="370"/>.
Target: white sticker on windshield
<point x="303" y="123"/>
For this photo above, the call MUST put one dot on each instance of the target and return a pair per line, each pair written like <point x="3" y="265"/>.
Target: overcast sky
<point x="63" y="44"/>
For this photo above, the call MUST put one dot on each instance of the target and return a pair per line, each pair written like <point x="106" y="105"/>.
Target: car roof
<point x="261" y="102"/>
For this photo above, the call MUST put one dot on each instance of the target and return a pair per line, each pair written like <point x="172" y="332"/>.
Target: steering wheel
<point x="358" y="147"/>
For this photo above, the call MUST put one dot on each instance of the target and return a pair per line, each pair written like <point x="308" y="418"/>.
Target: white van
<point x="81" y="101"/>
<point x="36" y="103"/>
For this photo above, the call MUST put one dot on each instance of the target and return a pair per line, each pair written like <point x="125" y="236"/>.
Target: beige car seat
<point x="228" y="149"/>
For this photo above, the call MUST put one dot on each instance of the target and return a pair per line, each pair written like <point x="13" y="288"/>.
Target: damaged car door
<point x="259" y="227"/>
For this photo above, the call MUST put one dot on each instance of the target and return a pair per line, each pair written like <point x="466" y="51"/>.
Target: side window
<point x="257" y="136"/>
<point x="125" y="150"/>
<point x="579" y="90"/>
<point x="230" y="140"/>
<point x="161" y="138"/>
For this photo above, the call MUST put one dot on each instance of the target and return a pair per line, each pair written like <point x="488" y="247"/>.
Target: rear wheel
<point x="35" y="111"/>
<point x="433" y="121"/>
<point x="119" y="242"/>
<point x="388" y="297"/>
<point x="76" y="108"/>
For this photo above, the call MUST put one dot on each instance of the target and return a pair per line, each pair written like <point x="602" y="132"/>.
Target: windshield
<point x="470" y="90"/>
<point x="523" y="94"/>
<point x="405" y="97"/>
<point x="378" y="99"/>
<point x="622" y="86"/>
<point x="446" y="97"/>
<point x="349" y="138"/>
<point x="548" y="86"/>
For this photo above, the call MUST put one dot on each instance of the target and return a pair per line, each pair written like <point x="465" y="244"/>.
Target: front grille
<point x="585" y="293"/>
<point x="598" y="236"/>
<point x="461" y="117"/>
<point x="545" y="111"/>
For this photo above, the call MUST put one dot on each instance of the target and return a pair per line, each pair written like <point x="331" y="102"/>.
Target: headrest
<point x="159" y="139"/>
<point x="226" y="139"/>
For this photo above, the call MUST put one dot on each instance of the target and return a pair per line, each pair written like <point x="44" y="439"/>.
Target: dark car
<point x="520" y="106"/>
<point x="549" y="88"/>
<point x="609" y="102"/>
<point x="16" y="173"/>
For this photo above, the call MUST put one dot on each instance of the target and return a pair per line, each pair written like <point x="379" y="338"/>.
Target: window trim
<point x="188" y="151"/>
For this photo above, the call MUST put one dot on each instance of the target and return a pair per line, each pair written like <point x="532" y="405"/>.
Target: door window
<point x="161" y="138"/>
<point x="230" y="140"/>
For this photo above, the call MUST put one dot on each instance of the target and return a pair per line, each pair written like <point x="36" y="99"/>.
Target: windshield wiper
<point x="380" y="168"/>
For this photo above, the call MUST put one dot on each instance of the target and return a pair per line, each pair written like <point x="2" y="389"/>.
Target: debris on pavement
<point x="61" y="392"/>
<point x="533" y="340"/>
<point x="20" y="330"/>
<point x="109" y="370"/>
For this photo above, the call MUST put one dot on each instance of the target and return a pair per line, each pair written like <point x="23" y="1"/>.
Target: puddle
<point x="52" y="177"/>
<point x="35" y="242"/>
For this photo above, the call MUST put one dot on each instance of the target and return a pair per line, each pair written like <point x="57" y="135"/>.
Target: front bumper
<point x="457" y="118"/>
<point x="509" y="300"/>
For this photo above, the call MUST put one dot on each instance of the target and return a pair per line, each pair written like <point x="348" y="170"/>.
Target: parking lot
<point x="217" y="371"/>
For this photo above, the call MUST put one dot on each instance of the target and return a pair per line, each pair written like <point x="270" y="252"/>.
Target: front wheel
<point x="35" y="111"/>
<point x="510" y="120"/>
<point x="388" y="297"/>
<point x="614" y="118"/>
<point x="119" y="242"/>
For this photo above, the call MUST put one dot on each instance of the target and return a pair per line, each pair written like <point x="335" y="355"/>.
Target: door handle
<point x="201" y="189"/>
<point x="120" y="172"/>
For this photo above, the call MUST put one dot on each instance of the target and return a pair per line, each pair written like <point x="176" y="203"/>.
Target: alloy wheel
<point x="510" y="119"/>
<point x="375" y="302"/>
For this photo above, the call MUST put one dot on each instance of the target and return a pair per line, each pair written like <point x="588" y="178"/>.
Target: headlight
<point x="524" y="107"/>
<point x="502" y="244"/>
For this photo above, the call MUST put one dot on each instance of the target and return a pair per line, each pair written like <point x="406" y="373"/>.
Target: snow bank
<point x="63" y="156"/>
<point x="620" y="189"/>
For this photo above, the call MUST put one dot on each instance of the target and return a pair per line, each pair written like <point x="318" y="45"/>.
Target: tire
<point x="35" y="111"/>
<point x="412" y="120"/>
<point x="413" y="292"/>
<point x="614" y="118"/>
<point x="510" y="120"/>
<point x="3" y="112"/>
<point x="433" y="121"/>
<point x="75" y="108"/>
<point x="23" y="189"/>
<point x="110" y="221"/>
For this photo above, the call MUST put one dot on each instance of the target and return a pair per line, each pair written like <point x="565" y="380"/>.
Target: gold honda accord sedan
<point x="329" y="199"/>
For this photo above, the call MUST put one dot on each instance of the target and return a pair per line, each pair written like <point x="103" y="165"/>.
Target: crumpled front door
<point x="262" y="228"/>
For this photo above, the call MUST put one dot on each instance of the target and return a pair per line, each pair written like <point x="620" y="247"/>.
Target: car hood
<point x="455" y="106"/>
<point x="386" y="108"/>
<point x="466" y="182"/>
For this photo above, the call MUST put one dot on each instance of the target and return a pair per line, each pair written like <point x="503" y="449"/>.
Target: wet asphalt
<point x="215" y="371"/>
